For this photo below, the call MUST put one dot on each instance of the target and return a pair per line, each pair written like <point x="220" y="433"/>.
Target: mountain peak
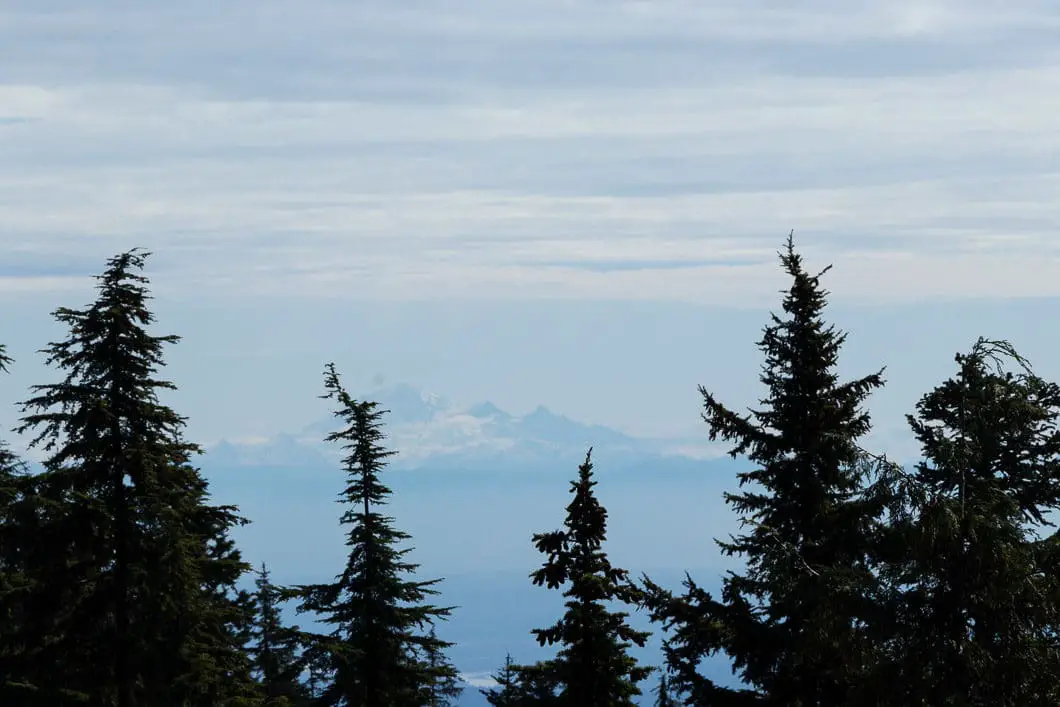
<point x="543" y="414"/>
<point x="408" y="403"/>
<point x="424" y="427"/>
<point x="486" y="409"/>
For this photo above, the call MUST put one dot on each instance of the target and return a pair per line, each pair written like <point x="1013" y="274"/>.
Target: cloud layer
<point x="571" y="148"/>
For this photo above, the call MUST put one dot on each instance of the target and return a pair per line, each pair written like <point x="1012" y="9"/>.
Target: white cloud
<point x="466" y="149"/>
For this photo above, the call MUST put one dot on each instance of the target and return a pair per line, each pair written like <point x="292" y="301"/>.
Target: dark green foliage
<point x="525" y="685"/>
<point x="974" y="592"/>
<point x="10" y="475"/>
<point x="133" y="574"/>
<point x="931" y="587"/>
<point x="318" y="672"/>
<point x="663" y="696"/>
<point x="593" y="668"/>
<point x="444" y="687"/>
<point x="507" y="679"/>
<point x="793" y="623"/>
<point x="13" y="583"/>
<point x="375" y="653"/>
<point x="540" y="684"/>
<point x="275" y="648"/>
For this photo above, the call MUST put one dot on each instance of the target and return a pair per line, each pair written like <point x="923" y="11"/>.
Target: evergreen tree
<point x="319" y="673"/>
<point x="13" y="584"/>
<point x="975" y="589"/>
<point x="10" y="571"/>
<point x="794" y="624"/>
<point x="540" y="685"/>
<point x="663" y="697"/>
<point x="374" y="651"/>
<point x="507" y="679"/>
<point x="132" y="570"/>
<point x="274" y="651"/>
<point x="534" y="685"/>
<point x="444" y="686"/>
<point x="593" y="668"/>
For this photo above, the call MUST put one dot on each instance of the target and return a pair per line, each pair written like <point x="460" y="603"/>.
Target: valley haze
<point x="471" y="485"/>
<point x="572" y="214"/>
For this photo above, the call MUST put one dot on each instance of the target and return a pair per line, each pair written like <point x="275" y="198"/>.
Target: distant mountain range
<point x="427" y="430"/>
<point x="472" y="484"/>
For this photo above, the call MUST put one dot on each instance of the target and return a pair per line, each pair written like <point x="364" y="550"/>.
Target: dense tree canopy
<point x="974" y="585"/>
<point x="860" y="581"/>
<point x="275" y="648"/>
<point x="15" y="538"/>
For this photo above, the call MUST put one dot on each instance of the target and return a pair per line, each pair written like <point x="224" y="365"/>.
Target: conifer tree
<point x="593" y="668"/>
<point x="378" y="615"/>
<point x="794" y="623"/>
<point x="10" y="476"/>
<point x="507" y="679"/>
<point x="319" y="674"/>
<point x="133" y="573"/>
<point x="541" y="684"/>
<point x="976" y="590"/>
<point x="443" y="687"/>
<point x="275" y="648"/>
<point x="535" y="685"/>
<point x="663" y="697"/>
<point x="13" y="585"/>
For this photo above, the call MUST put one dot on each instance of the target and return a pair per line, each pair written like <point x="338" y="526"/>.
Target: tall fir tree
<point x="794" y="623"/>
<point x="374" y="653"/>
<point x="275" y="648"/>
<point x="593" y="667"/>
<point x="134" y="599"/>
<point x="974" y="584"/>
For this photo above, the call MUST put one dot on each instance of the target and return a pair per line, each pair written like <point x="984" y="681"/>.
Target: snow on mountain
<point x="426" y="428"/>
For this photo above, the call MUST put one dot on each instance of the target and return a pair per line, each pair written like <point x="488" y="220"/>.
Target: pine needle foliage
<point x="593" y="667"/>
<point x="968" y="556"/>
<point x="794" y="622"/>
<point x="275" y="648"/>
<point x="133" y="573"/>
<point x="379" y="651"/>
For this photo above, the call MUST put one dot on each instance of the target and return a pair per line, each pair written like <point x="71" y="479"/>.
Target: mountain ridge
<point x="426" y="429"/>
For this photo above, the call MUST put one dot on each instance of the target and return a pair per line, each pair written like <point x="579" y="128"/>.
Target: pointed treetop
<point x="119" y="270"/>
<point x="334" y="390"/>
<point x="593" y="666"/>
<point x="804" y="294"/>
<point x="791" y="259"/>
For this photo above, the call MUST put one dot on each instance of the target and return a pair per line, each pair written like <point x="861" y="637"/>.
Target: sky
<point x="574" y="203"/>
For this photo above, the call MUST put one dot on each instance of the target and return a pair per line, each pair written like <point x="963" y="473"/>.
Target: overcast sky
<point x="567" y="202"/>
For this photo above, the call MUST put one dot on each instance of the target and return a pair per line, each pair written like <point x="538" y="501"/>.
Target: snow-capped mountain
<point x="425" y="428"/>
